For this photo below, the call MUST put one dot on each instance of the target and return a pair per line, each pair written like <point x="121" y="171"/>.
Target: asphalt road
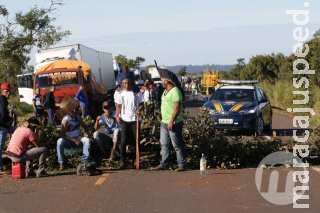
<point x="144" y="192"/>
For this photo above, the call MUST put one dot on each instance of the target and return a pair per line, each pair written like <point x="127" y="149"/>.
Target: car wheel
<point x="259" y="126"/>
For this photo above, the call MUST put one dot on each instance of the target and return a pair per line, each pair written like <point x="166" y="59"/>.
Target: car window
<point x="259" y="95"/>
<point x="236" y="95"/>
<point x="263" y="95"/>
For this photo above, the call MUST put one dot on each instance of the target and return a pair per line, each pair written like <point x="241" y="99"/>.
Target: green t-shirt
<point x="167" y="104"/>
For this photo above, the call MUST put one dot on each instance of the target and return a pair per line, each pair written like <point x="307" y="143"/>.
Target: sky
<point x="176" y="32"/>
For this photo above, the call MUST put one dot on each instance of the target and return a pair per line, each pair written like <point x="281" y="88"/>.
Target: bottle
<point x="203" y="166"/>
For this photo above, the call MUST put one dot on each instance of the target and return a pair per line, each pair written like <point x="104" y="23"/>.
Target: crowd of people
<point x="112" y="129"/>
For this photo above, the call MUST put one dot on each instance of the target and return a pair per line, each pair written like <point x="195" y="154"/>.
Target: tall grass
<point x="281" y="96"/>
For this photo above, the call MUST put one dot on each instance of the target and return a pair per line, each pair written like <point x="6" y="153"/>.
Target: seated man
<point x="70" y="131"/>
<point x="107" y="131"/>
<point x="19" y="143"/>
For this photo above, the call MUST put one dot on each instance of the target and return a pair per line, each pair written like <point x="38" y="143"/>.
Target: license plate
<point x="225" y="121"/>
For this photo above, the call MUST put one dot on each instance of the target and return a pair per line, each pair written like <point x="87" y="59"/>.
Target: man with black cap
<point x="18" y="146"/>
<point x="5" y="119"/>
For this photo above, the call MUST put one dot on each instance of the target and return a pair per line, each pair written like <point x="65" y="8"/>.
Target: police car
<point x="240" y="105"/>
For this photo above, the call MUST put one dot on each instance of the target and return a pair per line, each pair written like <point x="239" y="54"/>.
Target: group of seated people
<point x="105" y="135"/>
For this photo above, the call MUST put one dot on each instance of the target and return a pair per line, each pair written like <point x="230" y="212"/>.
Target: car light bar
<point x="238" y="82"/>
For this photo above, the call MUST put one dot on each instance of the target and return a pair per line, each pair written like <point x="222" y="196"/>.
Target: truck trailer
<point x="67" y="68"/>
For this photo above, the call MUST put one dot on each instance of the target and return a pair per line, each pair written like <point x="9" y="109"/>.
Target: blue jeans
<point x="50" y="113"/>
<point x="175" y="136"/>
<point x="3" y="136"/>
<point x="65" y="144"/>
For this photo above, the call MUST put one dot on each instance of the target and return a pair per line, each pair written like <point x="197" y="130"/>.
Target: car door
<point x="265" y="107"/>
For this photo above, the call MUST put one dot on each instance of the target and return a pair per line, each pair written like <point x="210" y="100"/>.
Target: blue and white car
<point x="240" y="105"/>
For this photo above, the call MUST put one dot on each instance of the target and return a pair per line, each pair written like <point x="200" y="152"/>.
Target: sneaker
<point x="61" y="167"/>
<point x="180" y="169"/>
<point x="41" y="173"/>
<point x="122" y="165"/>
<point x="159" y="167"/>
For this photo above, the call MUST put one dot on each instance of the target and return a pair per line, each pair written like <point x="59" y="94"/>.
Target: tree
<point x="182" y="71"/>
<point x="261" y="68"/>
<point x="139" y="60"/>
<point x="21" y="33"/>
<point x="236" y="70"/>
<point x="123" y="61"/>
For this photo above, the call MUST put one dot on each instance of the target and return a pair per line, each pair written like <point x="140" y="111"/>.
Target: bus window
<point x="25" y="81"/>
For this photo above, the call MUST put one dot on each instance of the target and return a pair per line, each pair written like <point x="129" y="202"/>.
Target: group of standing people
<point x="128" y="108"/>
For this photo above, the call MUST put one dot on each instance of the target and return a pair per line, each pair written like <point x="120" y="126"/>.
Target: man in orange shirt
<point x="19" y="143"/>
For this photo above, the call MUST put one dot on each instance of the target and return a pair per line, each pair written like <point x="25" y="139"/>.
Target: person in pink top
<point x="23" y="137"/>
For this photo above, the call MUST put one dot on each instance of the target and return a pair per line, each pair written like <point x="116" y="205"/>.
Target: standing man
<point x="171" y="124"/>
<point x="49" y="104"/>
<point x="5" y="119"/>
<point x="126" y="114"/>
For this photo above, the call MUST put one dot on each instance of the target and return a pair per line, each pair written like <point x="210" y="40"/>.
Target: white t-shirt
<point x="129" y="105"/>
<point x="146" y="96"/>
<point x="116" y="96"/>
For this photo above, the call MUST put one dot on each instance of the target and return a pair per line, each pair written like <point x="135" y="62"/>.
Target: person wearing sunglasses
<point x="107" y="131"/>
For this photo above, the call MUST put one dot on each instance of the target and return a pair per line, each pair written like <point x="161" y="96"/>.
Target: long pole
<point x="137" y="144"/>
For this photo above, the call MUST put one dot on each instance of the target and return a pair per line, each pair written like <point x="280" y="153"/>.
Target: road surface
<point x="145" y="192"/>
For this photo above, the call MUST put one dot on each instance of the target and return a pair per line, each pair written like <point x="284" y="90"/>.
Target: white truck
<point x="50" y="66"/>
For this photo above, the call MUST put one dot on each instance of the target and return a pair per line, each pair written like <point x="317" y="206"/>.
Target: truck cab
<point x="66" y="82"/>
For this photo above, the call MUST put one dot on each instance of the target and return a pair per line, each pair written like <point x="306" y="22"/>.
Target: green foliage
<point x="182" y="71"/>
<point x="87" y="126"/>
<point x="22" y="109"/>
<point x="130" y="63"/>
<point x="20" y="33"/>
<point x="223" y="151"/>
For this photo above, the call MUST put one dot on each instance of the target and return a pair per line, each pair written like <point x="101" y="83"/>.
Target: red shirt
<point x="20" y="140"/>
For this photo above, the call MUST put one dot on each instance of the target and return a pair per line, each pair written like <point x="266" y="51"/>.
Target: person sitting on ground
<point x="107" y="131"/>
<point x="70" y="131"/>
<point x="18" y="146"/>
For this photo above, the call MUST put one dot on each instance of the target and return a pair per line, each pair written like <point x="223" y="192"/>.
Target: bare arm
<point x="176" y="111"/>
<point x="96" y="124"/>
<point x="118" y="112"/>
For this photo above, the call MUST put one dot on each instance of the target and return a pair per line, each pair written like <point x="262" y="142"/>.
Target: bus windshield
<point x="57" y="79"/>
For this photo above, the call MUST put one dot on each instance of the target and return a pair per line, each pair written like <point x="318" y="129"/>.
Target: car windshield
<point x="236" y="95"/>
<point x="57" y="79"/>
